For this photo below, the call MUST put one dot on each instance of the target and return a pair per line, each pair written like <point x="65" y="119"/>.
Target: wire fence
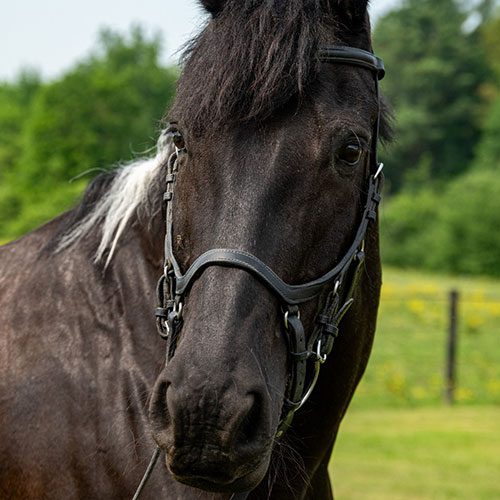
<point x="434" y="345"/>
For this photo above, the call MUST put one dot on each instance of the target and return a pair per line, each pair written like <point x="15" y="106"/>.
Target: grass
<point x="407" y="363"/>
<point x="424" y="453"/>
<point x="398" y="441"/>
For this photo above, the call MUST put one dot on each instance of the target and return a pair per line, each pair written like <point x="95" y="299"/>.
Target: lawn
<point x="424" y="453"/>
<point x="398" y="440"/>
<point x="407" y="363"/>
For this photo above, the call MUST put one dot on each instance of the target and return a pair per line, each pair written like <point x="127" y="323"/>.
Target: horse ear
<point x="213" y="6"/>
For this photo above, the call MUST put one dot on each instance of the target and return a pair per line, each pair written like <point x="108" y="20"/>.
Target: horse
<point x="269" y="266"/>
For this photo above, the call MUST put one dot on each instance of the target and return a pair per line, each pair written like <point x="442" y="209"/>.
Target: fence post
<point x="451" y="350"/>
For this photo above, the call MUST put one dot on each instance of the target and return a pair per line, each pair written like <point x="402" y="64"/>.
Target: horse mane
<point x="253" y="58"/>
<point x="113" y="200"/>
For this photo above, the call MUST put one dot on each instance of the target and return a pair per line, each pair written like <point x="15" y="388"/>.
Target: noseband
<point x="340" y="281"/>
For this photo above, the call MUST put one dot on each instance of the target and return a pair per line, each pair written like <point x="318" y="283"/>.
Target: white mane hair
<point x="128" y="192"/>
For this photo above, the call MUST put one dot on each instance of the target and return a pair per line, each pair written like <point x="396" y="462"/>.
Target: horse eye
<point x="350" y="154"/>
<point x="178" y="140"/>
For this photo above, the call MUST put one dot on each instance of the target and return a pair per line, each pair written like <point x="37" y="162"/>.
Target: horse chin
<point x="222" y="482"/>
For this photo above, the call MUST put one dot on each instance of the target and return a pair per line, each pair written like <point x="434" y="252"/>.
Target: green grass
<point x="398" y="441"/>
<point x="407" y="363"/>
<point x="424" y="453"/>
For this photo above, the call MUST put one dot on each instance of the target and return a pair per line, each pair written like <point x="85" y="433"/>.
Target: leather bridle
<point x="340" y="281"/>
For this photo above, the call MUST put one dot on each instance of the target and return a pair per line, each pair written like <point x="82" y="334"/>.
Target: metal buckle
<point x="175" y="315"/>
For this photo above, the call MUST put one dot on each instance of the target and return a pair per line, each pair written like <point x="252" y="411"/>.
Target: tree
<point x="15" y="104"/>
<point x="105" y="110"/>
<point x="488" y="151"/>
<point x="469" y="218"/>
<point x="435" y="71"/>
<point x="454" y="232"/>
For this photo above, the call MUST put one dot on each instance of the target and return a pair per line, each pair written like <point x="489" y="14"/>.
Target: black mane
<point x="252" y="58"/>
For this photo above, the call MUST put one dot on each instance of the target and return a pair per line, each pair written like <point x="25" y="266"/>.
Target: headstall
<point x="340" y="281"/>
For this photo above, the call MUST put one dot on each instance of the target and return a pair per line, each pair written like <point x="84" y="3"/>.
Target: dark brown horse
<point x="279" y="157"/>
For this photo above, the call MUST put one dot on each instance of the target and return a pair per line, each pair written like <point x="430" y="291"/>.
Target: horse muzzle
<point x="216" y="436"/>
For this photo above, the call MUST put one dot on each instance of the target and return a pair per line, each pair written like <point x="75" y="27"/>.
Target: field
<point x="398" y="441"/>
<point x="407" y="363"/>
<point x="424" y="453"/>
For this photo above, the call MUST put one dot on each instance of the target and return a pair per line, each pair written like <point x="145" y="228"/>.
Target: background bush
<point x="454" y="230"/>
<point x="441" y="208"/>
<point x="105" y="109"/>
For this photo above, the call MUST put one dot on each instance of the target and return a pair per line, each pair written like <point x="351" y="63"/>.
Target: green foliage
<point x="435" y="69"/>
<point x="15" y="102"/>
<point x="104" y="110"/>
<point x="469" y="222"/>
<point x="488" y="150"/>
<point x="453" y="230"/>
<point x="490" y="38"/>
<point x="406" y="222"/>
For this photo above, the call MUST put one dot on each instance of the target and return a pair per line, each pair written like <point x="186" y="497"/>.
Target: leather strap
<point x="289" y="294"/>
<point x="354" y="57"/>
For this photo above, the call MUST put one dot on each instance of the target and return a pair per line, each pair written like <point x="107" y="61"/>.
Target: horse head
<point x="276" y="169"/>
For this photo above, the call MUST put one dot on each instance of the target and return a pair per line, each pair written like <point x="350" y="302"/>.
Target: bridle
<point x="341" y="280"/>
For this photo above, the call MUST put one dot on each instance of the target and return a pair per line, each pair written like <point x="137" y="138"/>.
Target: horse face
<point x="289" y="190"/>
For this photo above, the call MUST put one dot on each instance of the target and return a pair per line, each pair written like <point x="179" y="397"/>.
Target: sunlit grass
<point x="407" y="363"/>
<point x="424" y="453"/>
<point x="398" y="440"/>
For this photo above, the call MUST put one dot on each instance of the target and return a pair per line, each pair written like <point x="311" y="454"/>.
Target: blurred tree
<point x="15" y="108"/>
<point x="488" y="151"/>
<point x="435" y="70"/>
<point x="105" y="110"/>
<point x="468" y="222"/>
<point x="407" y="227"/>
<point x="15" y="105"/>
<point x="453" y="230"/>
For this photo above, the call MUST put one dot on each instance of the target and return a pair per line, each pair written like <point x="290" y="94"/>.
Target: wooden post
<point x="451" y="350"/>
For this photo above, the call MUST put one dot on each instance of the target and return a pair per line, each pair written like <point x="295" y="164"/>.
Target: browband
<point x="353" y="56"/>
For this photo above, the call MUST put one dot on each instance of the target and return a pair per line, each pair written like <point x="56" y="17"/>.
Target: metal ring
<point x="379" y="170"/>
<point x="286" y="318"/>
<point x="178" y="309"/>
<point x="172" y="159"/>
<point x="167" y="267"/>
<point x="311" y="387"/>
<point x="321" y="358"/>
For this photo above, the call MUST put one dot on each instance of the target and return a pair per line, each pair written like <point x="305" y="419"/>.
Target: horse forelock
<point x="120" y="196"/>
<point x="253" y="57"/>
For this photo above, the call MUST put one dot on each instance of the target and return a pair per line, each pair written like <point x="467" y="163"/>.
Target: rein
<point x="342" y="279"/>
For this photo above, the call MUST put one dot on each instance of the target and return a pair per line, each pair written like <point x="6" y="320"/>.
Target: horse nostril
<point x="251" y="426"/>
